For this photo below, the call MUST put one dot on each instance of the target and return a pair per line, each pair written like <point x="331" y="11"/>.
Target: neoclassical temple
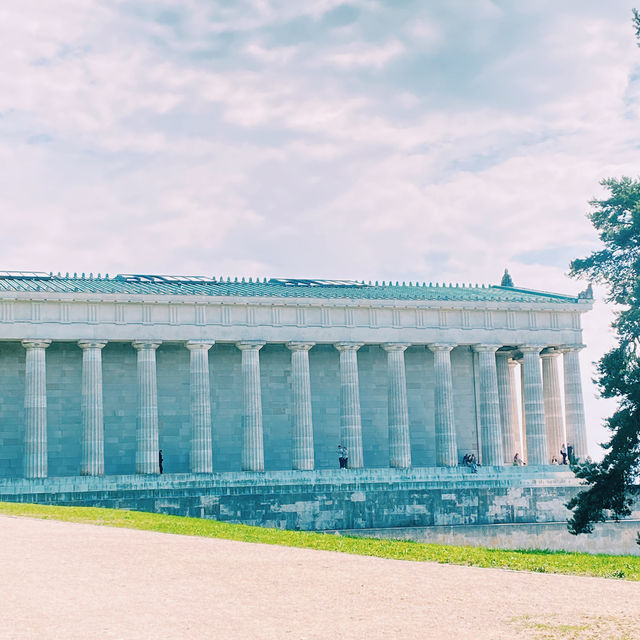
<point x="99" y="373"/>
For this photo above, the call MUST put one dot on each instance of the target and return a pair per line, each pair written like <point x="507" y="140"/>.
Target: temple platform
<point x="325" y="499"/>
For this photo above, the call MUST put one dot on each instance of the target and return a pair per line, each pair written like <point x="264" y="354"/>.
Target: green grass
<point x="605" y="566"/>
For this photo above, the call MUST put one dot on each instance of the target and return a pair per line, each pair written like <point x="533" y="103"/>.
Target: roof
<point x="141" y="284"/>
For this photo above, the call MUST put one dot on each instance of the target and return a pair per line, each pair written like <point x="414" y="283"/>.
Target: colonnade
<point x="497" y="407"/>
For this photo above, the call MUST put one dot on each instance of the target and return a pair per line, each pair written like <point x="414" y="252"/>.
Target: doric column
<point x="507" y="403"/>
<point x="201" y="457"/>
<point x="397" y="408"/>
<point x="523" y="414"/>
<point x="515" y="417"/>
<point x="302" y="454"/>
<point x="252" y="438"/>
<point x="147" y="429"/>
<point x="574" y="401"/>
<point x="92" y="463"/>
<point x="552" y="403"/>
<point x="350" y="421"/>
<point x="492" y="445"/>
<point x="534" y="406"/>
<point x="35" y="409"/>
<point x="446" y="447"/>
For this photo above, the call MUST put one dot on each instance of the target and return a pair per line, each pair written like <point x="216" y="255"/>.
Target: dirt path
<point x="62" y="580"/>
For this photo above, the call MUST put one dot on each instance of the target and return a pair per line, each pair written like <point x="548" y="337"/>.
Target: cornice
<point x="580" y="306"/>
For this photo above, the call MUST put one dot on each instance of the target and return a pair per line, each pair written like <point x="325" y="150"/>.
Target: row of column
<point x="498" y="411"/>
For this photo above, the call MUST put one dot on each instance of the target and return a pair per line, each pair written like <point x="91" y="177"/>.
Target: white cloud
<point x="273" y="138"/>
<point x="425" y="33"/>
<point x="364" y="55"/>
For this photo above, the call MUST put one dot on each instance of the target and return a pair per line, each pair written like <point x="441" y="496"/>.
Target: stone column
<point x="446" y="447"/>
<point x="252" y="438"/>
<point x="35" y="409"/>
<point x="534" y="406"/>
<point x="552" y="403"/>
<point x="92" y="463"/>
<point x="398" y="412"/>
<point x="574" y="401"/>
<point x="523" y="414"/>
<point x="148" y="446"/>
<point x="350" y="421"/>
<point x="302" y="454"/>
<point x="492" y="444"/>
<point x="201" y="457"/>
<point x="517" y="433"/>
<point x="507" y="403"/>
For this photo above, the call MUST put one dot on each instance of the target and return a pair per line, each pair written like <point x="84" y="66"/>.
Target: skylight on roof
<point x="19" y="275"/>
<point x="304" y="282"/>
<point x="139" y="277"/>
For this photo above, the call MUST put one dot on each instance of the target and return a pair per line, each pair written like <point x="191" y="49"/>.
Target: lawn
<point x="604" y="566"/>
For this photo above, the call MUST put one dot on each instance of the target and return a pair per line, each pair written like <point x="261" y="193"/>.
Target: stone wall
<point x="619" y="538"/>
<point x="324" y="500"/>
<point x="64" y="369"/>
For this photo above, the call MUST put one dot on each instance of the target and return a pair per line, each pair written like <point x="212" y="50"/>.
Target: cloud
<point x="374" y="56"/>
<point x="374" y="140"/>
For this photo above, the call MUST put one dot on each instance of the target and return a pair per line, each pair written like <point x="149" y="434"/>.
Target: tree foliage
<point x="613" y="481"/>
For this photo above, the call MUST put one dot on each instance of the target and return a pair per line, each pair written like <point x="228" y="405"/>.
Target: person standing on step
<point x="160" y="461"/>
<point x="342" y="456"/>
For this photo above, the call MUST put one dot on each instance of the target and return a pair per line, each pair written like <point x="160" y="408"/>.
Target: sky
<point x="360" y="139"/>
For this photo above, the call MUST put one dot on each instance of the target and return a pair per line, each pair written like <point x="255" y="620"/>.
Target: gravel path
<point x="63" y="580"/>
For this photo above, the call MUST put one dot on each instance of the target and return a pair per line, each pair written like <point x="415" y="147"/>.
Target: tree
<point x="613" y="482"/>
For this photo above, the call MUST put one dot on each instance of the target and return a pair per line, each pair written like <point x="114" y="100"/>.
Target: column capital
<point x="146" y="345"/>
<point x="300" y="346"/>
<point x="512" y="363"/>
<point x="35" y="344"/>
<point x="571" y="347"/>
<point x="441" y="346"/>
<point x="348" y="346"/>
<point x="92" y="344"/>
<point x="531" y="348"/>
<point x="199" y="345"/>
<point x="395" y="346"/>
<point x="551" y="352"/>
<point x="487" y="348"/>
<point x="250" y="345"/>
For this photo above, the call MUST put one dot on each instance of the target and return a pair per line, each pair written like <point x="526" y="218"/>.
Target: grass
<point x="583" y="564"/>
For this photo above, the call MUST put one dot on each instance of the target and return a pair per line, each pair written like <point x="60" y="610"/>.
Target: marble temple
<point x="229" y="376"/>
<point x="101" y="373"/>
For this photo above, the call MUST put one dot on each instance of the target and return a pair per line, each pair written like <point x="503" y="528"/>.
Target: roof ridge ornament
<point x="507" y="280"/>
<point x="587" y="294"/>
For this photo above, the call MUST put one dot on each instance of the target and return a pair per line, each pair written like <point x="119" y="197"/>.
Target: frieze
<point x="283" y="315"/>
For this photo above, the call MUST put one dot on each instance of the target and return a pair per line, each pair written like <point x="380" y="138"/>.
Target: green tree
<point x="613" y="482"/>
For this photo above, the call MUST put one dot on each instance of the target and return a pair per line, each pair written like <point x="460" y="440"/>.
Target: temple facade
<point x="100" y="374"/>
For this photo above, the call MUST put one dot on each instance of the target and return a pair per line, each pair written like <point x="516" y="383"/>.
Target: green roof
<point x="135" y="284"/>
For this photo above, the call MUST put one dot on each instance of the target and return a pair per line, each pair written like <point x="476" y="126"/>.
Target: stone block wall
<point x="120" y="397"/>
<point x="324" y="500"/>
<point x="64" y="396"/>
<point x="618" y="538"/>
<point x="12" y="365"/>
